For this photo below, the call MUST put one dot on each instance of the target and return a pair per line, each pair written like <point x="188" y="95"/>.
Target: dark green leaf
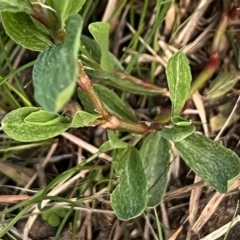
<point x="212" y="162"/>
<point x="179" y="81"/>
<point x="56" y="69"/>
<point x="85" y="101"/>
<point x="113" y="143"/>
<point x="82" y="119"/>
<point x="22" y="30"/>
<point x="117" y="82"/>
<point x="155" y="155"/>
<point x="16" y="126"/>
<point x="100" y="32"/>
<point x="113" y="103"/>
<point x="177" y="134"/>
<point x="129" y="198"/>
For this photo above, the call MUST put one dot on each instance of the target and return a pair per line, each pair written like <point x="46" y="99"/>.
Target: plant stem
<point x="108" y="121"/>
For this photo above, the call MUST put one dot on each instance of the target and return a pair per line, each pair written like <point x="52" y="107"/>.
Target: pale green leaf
<point x="100" y="32"/>
<point x="90" y="46"/>
<point x="66" y="9"/>
<point x="43" y="118"/>
<point x="215" y="164"/>
<point x="56" y="69"/>
<point x="155" y="155"/>
<point x="15" y="6"/>
<point x="82" y="119"/>
<point x="179" y="81"/>
<point x="179" y="121"/>
<point x="113" y="143"/>
<point x="14" y="124"/>
<point x="129" y="198"/>
<point x="177" y="133"/>
<point x="22" y="30"/>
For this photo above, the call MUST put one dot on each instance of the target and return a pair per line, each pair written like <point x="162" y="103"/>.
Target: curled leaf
<point x="20" y="125"/>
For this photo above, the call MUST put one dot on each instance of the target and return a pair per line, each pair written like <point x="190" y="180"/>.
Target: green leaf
<point x="82" y="119"/>
<point x="85" y="101"/>
<point x="15" y="6"/>
<point x="61" y="212"/>
<point x="66" y="9"/>
<point x="222" y="84"/>
<point x="113" y="143"/>
<point x="155" y="155"/>
<point x="22" y="30"/>
<point x="16" y="126"/>
<point x="43" y="118"/>
<point x="90" y="46"/>
<point x="176" y="133"/>
<point x="113" y="103"/>
<point x="179" y="121"/>
<point x="215" y="164"/>
<point x="53" y="219"/>
<point x="179" y="81"/>
<point x="129" y="198"/>
<point x="100" y="32"/>
<point x="56" y="69"/>
<point x="117" y="82"/>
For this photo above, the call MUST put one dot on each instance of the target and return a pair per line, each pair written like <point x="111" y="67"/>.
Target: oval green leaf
<point x="129" y="198"/>
<point x="56" y="69"/>
<point x="215" y="164"/>
<point x="21" y="29"/>
<point x="14" y="124"/>
<point x="155" y="155"/>
<point x="179" y="81"/>
<point x="177" y="134"/>
<point x="53" y="219"/>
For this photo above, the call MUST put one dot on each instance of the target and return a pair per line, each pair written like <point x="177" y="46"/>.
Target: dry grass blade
<point x="176" y="233"/>
<point x="210" y="208"/>
<point x="12" y="198"/>
<point x="109" y="10"/>
<point x="90" y="148"/>
<point x="190" y="27"/>
<point x="222" y="230"/>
